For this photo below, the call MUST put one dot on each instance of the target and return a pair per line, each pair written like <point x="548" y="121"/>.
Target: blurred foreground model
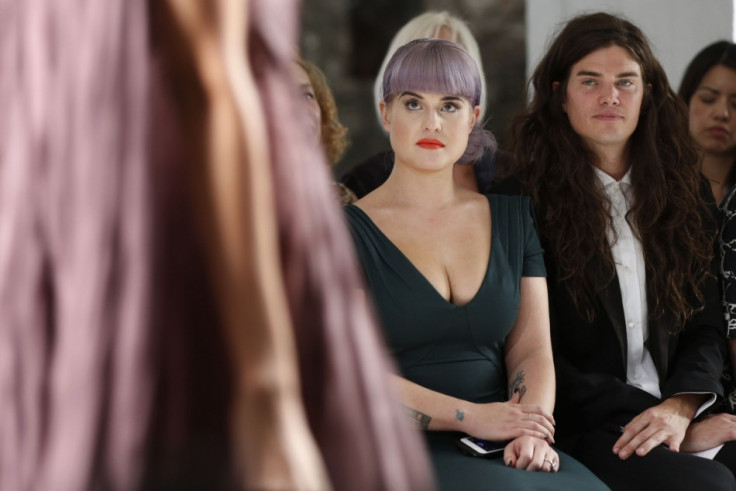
<point x="155" y="292"/>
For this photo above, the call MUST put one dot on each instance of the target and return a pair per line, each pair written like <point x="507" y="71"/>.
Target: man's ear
<point x="383" y="107"/>
<point x="555" y="88"/>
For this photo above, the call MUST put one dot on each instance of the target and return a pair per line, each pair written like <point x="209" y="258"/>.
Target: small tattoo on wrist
<point x="459" y="415"/>
<point x="517" y="385"/>
<point x="422" y="420"/>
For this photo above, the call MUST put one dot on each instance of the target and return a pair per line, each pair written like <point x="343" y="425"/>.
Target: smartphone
<point x="480" y="448"/>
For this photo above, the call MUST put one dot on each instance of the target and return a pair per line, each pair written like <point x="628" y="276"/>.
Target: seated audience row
<point x="629" y="318"/>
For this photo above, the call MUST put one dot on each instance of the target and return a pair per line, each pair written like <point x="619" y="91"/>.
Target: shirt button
<point x="631" y="325"/>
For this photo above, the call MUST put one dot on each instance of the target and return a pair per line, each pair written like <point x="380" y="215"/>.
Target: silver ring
<point x="552" y="463"/>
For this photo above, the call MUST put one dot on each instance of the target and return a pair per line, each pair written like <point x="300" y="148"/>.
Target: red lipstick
<point x="430" y="144"/>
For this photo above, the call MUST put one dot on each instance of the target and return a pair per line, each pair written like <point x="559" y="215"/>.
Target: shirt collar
<point x="607" y="180"/>
<point x="607" y="183"/>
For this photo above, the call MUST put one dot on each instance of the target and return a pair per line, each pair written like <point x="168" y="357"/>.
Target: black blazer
<point x="590" y="357"/>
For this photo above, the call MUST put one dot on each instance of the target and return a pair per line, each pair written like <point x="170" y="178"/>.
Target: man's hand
<point x="712" y="431"/>
<point x="665" y="423"/>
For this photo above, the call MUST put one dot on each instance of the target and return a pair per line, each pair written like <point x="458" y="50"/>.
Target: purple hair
<point x="442" y="67"/>
<point x="126" y="334"/>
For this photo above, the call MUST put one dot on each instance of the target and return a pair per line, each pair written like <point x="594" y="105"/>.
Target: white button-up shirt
<point x="628" y="256"/>
<point x="629" y="259"/>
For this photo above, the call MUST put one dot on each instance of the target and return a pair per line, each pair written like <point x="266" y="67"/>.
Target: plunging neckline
<point x="424" y="279"/>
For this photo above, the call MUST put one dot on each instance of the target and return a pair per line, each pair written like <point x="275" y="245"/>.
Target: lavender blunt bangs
<point x="432" y="65"/>
<point x="440" y="67"/>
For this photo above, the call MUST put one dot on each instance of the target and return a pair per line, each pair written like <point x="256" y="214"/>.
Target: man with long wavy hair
<point x="604" y="152"/>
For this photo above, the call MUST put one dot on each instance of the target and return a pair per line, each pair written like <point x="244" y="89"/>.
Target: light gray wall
<point x="677" y="29"/>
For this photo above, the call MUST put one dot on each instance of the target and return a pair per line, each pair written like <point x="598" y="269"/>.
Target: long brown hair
<point x="555" y="168"/>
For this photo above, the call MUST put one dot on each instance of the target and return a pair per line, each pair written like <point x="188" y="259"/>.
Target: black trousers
<point x="727" y="456"/>
<point x="659" y="469"/>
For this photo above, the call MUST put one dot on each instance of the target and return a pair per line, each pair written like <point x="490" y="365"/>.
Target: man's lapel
<point x="610" y="298"/>
<point x="659" y="337"/>
<point x="658" y="343"/>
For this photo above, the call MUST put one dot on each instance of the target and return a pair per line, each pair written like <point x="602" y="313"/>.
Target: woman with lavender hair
<point x="458" y="281"/>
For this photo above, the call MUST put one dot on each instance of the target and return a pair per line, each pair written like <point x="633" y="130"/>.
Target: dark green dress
<point x="459" y="350"/>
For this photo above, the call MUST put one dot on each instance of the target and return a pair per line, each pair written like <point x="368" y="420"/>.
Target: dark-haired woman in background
<point x="709" y="89"/>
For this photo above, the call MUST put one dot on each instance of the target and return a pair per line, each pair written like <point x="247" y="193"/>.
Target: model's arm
<point x="531" y="383"/>
<point x="528" y="427"/>
<point x="531" y="373"/>
<point x="529" y="350"/>
<point x="498" y="421"/>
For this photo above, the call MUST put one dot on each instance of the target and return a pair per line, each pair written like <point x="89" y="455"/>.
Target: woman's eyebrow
<point x="453" y="98"/>
<point x="709" y="89"/>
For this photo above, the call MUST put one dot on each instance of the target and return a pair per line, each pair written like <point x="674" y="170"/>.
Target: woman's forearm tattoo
<point x="422" y="420"/>
<point x="517" y="385"/>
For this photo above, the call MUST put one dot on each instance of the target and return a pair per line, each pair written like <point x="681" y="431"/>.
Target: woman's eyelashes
<point x="412" y="104"/>
<point x="709" y="99"/>
<point x="448" y="107"/>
